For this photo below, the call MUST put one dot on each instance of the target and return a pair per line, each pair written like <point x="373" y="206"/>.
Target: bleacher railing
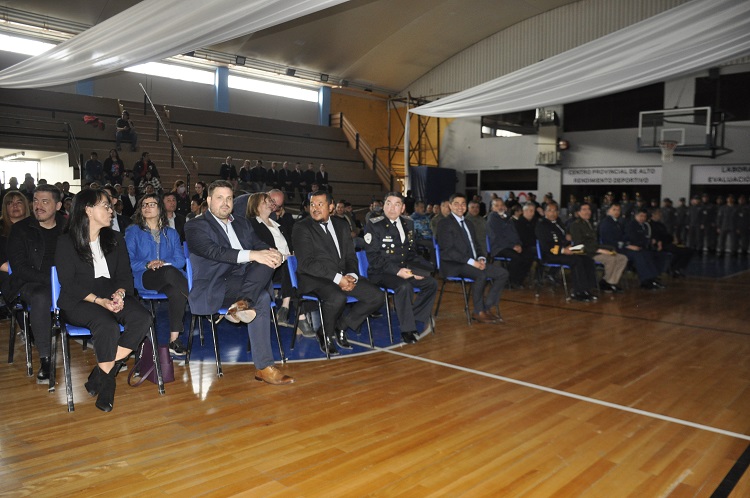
<point x="166" y="134"/>
<point x="74" y="148"/>
<point x="370" y="156"/>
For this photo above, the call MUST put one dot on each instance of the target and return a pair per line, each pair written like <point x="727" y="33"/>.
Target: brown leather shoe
<point x="240" y="312"/>
<point x="272" y="375"/>
<point x="495" y="316"/>
<point x="483" y="317"/>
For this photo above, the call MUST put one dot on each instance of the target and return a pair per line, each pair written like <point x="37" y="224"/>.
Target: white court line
<point x="567" y="394"/>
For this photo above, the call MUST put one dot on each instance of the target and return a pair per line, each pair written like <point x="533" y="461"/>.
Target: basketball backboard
<point x="697" y="131"/>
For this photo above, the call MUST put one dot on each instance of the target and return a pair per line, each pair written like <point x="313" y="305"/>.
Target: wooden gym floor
<point x="660" y="406"/>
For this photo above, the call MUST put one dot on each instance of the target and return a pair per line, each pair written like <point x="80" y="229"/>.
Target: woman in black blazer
<point x="259" y="209"/>
<point x="97" y="289"/>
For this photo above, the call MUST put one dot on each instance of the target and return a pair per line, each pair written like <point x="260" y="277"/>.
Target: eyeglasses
<point x="150" y="204"/>
<point x="105" y="205"/>
<point x="271" y="202"/>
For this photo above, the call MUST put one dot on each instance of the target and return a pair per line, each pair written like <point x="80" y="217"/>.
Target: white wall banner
<point x="625" y="175"/>
<point x="720" y="174"/>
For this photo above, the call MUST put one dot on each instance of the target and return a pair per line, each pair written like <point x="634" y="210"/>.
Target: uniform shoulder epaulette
<point x="377" y="219"/>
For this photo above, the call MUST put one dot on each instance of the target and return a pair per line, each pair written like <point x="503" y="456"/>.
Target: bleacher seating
<point x="34" y="119"/>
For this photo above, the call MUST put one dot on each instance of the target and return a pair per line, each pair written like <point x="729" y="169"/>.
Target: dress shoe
<point x="409" y="337"/>
<point x="342" y="341"/>
<point x="106" y="399"/>
<point x="92" y="385"/>
<point x="322" y="341"/>
<point x="483" y="317"/>
<point x="590" y="296"/>
<point x="304" y="328"/>
<point x="42" y="377"/>
<point x="580" y="297"/>
<point x="604" y="286"/>
<point x="495" y="316"/>
<point x="272" y="375"/>
<point x="376" y="314"/>
<point x="429" y="326"/>
<point x="240" y="312"/>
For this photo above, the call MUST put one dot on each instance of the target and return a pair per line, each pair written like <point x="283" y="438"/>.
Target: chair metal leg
<point x="440" y="298"/>
<point x="12" y="337"/>
<point x="53" y="360"/>
<point x="466" y="302"/>
<point x="297" y="309"/>
<point x="323" y="328"/>
<point x="219" y="371"/>
<point x="369" y="332"/>
<point x="388" y="316"/>
<point x="157" y="363"/>
<point x="278" y="336"/>
<point x="565" y="284"/>
<point x="190" y="338"/>
<point x="66" y="370"/>
<point x="27" y="344"/>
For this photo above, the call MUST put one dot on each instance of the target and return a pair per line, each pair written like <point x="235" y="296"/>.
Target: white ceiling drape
<point x="153" y="30"/>
<point x="688" y="38"/>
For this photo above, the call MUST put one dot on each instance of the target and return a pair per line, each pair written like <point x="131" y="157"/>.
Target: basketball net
<point x="667" y="150"/>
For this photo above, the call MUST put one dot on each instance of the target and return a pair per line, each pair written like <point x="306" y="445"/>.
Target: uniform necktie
<point x="400" y="231"/>
<point x="471" y="242"/>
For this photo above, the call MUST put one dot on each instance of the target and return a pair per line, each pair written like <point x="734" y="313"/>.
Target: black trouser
<point x="409" y="312"/>
<point x="519" y="264"/>
<point x="39" y="299"/>
<point x="105" y="326"/>
<point x="582" y="269"/>
<point x="171" y="282"/>
<point x="333" y="302"/>
<point x="645" y="264"/>
<point x="281" y="276"/>
<point x="680" y="256"/>
<point x="498" y="275"/>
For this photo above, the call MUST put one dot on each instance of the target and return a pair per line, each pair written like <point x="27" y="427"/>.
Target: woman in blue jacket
<point x="157" y="260"/>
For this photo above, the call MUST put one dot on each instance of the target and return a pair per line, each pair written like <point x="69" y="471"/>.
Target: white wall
<point x="57" y="169"/>
<point x="464" y="150"/>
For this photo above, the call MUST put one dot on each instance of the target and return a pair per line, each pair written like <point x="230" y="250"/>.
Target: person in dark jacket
<point x="505" y="242"/>
<point x="31" y="254"/>
<point x="582" y="232"/>
<point x="664" y="242"/>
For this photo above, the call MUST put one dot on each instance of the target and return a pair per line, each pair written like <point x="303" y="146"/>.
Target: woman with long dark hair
<point x="114" y="168"/>
<point x="97" y="289"/>
<point x="157" y="260"/>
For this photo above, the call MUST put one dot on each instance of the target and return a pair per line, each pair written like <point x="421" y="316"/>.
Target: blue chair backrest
<point x="538" y="251"/>
<point x="489" y="247"/>
<point x="188" y="268"/>
<point x="437" y="255"/>
<point x="362" y="263"/>
<point x="291" y="263"/>
<point x="55" y="287"/>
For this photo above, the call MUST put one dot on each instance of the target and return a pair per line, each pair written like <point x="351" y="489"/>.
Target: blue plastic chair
<point x="545" y="264"/>
<point x="502" y="259"/>
<point x="462" y="280"/>
<point x="67" y="331"/>
<point x="212" y="321"/>
<point x="292" y="263"/>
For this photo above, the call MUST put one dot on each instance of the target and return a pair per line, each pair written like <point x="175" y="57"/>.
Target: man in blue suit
<point x="232" y="268"/>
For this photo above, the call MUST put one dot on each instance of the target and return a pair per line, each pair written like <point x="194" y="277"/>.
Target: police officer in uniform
<point x="395" y="263"/>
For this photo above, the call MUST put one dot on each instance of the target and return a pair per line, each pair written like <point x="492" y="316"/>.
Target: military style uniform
<point x="387" y="254"/>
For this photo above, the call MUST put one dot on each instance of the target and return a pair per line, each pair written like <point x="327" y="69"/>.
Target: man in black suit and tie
<point x="462" y="256"/>
<point x="232" y="266"/>
<point x="327" y="267"/>
<point x="129" y="201"/>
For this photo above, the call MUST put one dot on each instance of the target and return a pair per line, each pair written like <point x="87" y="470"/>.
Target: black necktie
<point x="471" y="242"/>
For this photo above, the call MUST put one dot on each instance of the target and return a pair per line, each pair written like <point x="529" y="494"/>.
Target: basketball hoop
<point x="667" y="150"/>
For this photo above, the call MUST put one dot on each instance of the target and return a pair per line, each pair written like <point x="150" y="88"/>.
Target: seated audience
<point x="93" y="169"/>
<point x="461" y="255"/>
<point x="664" y="242"/>
<point x="97" y="290"/>
<point x="149" y="181"/>
<point x="321" y="178"/>
<point x="422" y="231"/>
<point x="174" y="219"/>
<point x="582" y="232"/>
<point x="157" y="260"/>
<point x="555" y="248"/>
<point x="442" y="211"/>
<point x="119" y="221"/>
<point x="201" y="192"/>
<point x="144" y="166"/>
<point x="638" y="235"/>
<point x="612" y="234"/>
<point x="129" y="201"/>
<point x="478" y="220"/>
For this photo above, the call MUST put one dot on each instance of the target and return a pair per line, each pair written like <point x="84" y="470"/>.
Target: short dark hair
<point x="317" y="193"/>
<point x="219" y="184"/>
<point x="169" y="194"/>
<point x="455" y="196"/>
<point x="45" y="187"/>
<point x="393" y="194"/>
<point x="550" y="204"/>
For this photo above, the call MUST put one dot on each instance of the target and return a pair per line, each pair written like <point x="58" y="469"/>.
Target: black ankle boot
<point x="43" y="376"/>
<point x="106" y="399"/>
<point x="94" y="382"/>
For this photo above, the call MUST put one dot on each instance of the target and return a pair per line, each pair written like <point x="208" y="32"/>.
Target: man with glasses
<point x="327" y="267"/>
<point x="119" y="221"/>
<point x="31" y="254"/>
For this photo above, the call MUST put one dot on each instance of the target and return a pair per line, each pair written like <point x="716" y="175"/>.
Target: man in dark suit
<point x="308" y="178"/>
<point x="31" y="254"/>
<point x="129" y="201"/>
<point x="506" y="242"/>
<point x="327" y="267"/>
<point x="119" y="221"/>
<point x="232" y="266"/>
<point x="461" y="255"/>
<point x="395" y="263"/>
<point x="321" y="178"/>
<point x="175" y="219"/>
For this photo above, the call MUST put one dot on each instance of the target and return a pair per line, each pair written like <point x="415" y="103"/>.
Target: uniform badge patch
<point x="368" y="238"/>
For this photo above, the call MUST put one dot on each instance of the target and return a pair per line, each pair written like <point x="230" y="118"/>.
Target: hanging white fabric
<point x="683" y="40"/>
<point x="152" y="30"/>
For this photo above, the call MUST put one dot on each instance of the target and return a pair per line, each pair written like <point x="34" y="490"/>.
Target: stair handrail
<point x="73" y="144"/>
<point x="166" y="134"/>
<point x="370" y="157"/>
